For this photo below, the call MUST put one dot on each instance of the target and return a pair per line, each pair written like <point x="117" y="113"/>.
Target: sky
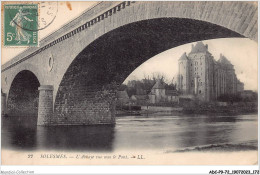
<point x="242" y="52"/>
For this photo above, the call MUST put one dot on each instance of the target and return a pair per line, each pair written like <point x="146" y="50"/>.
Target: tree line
<point x="144" y="86"/>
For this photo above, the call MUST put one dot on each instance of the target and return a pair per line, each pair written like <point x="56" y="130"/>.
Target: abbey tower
<point x="199" y="74"/>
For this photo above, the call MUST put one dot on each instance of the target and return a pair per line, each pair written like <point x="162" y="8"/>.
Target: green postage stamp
<point x="21" y="25"/>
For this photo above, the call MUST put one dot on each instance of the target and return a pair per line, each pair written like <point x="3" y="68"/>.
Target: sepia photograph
<point x="129" y="83"/>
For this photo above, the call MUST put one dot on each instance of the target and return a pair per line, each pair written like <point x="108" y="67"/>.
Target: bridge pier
<point x="3" y="105"/>
<point x="45" y="107"/>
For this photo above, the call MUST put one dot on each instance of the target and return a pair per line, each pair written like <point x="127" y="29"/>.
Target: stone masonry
<point x="45" y="109"/>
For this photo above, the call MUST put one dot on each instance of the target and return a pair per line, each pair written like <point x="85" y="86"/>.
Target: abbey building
<point x="199" y="74"/>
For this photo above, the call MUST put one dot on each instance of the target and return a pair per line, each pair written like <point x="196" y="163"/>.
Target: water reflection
<point x="19" y="133"/>
<point x="177" y="132"/>
<point x="23" y="133"/>
<point x="131" y="132"/>
<point x="94" y="138"/>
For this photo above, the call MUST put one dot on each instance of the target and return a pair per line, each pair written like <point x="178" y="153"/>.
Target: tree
<point x="144" y="86"/>
<point x="159" y="76"/>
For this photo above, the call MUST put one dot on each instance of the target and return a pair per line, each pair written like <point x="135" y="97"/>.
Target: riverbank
<point x="198" y="109"/>
<point x="223" y="110"/>
<point x="150" y="110"/>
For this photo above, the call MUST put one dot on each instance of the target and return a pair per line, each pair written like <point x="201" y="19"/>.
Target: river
<point x="155" y="132"/>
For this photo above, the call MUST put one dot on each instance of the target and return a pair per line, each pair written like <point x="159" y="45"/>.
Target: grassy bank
<point x="214" y="109"/>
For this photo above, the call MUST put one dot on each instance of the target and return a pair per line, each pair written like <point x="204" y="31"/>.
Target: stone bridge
<point x="71" y="79"/>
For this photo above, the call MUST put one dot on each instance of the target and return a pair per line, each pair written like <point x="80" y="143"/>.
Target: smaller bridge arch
<point x="8" y="78"/>
<point x="22" y="99"/>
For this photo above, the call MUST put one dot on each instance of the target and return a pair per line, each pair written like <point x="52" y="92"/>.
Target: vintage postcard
<point x="129" y="83"/>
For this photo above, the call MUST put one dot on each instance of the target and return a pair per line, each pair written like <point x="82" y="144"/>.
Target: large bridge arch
<point x="239" y="17"/>
<point x="86" y="90"/>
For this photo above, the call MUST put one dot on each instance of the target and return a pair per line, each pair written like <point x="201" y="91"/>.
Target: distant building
<point x="201" y="75"/>
<point x="158" y="91"/>
<point x="172" y="96"/>
<point x="160" y="94"/>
